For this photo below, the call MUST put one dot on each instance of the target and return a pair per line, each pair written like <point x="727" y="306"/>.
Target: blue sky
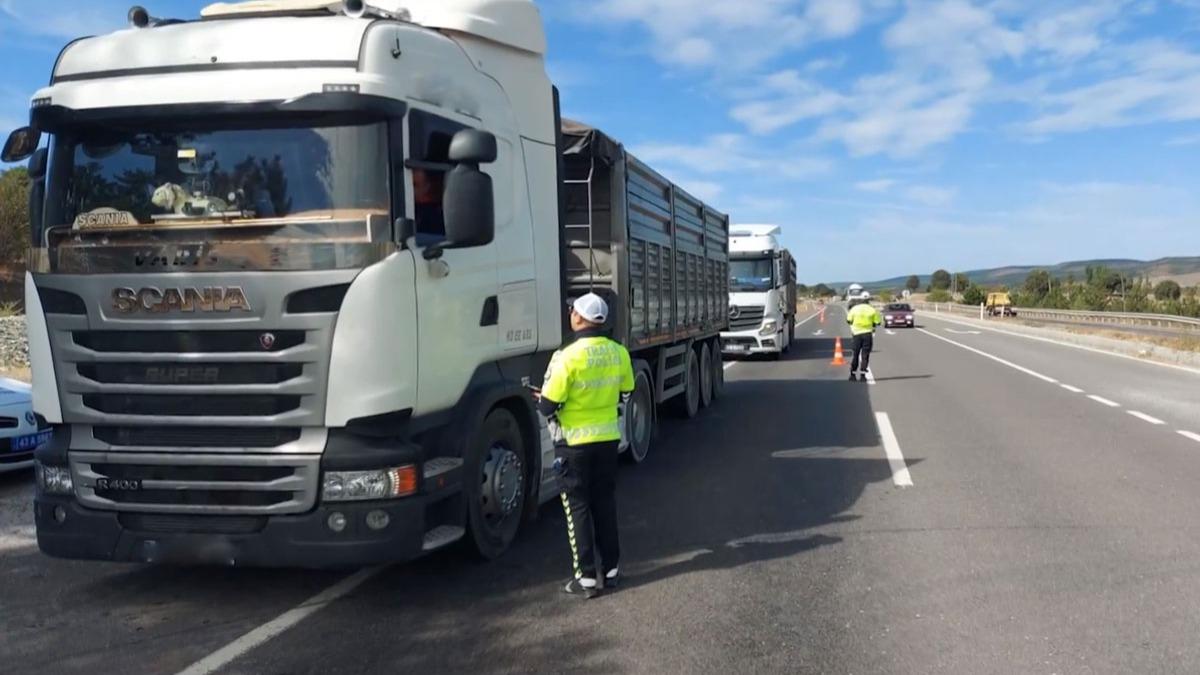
<point x="887" y="137"/>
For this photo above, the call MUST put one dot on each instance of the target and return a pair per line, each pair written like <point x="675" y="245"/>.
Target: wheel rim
<point x="640" y="420"/>
<point x="502" y="487"/>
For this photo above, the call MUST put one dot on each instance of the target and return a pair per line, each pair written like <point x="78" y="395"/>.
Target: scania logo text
<point x="162" y="300"/>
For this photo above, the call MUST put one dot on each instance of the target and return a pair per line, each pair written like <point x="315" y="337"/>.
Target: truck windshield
<point x="751" y="276"/>
<point x="199" y="185"/>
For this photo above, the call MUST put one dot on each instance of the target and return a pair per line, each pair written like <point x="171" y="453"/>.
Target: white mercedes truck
<point x="762" y="293"/>
<point x="296" y="265"/>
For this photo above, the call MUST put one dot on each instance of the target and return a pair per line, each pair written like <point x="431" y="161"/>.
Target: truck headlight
<point x="358" y="486"/>
<point x="769" y="327"/>
<point x="55" y="480"/>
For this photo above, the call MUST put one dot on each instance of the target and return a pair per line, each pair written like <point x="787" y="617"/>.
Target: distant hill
<point x="1185" y="270"/>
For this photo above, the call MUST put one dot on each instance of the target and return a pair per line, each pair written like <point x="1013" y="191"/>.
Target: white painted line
<point x="730" y="365"/>
<point x="18" y="538"/>
<point x="890" y="332"/>
<point x="900" y="474"/>
<point x="1073" y="390"/>
<point x="997" y="359"/>
<point x="241" y="646"/>
<point x="963" y="332"/>
<point x="1190" y="434"/>
<point x="1144" y="417"/>
<point x="1104" y="401"/>
<point x="820" y="332"/>
<point x="870" y="377"/>
<point x="801" y="323"/>
<point x="1061" y="343"/>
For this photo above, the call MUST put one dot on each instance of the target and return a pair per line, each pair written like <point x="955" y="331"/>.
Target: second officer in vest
<point x="584" y="385"/>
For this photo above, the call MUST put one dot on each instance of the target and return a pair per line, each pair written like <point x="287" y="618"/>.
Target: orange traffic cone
<point x="839" y="359"/>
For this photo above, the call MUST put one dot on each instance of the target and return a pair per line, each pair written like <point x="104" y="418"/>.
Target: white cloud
<point x="879" y="185"/>
<point x="1192" y="139"/>
<point x="835" y="18"/>
<point x="793" y="99"/>
<point x="931" y="195"/>
<point x="50" y="19"/>
<point x="732" y="154"/>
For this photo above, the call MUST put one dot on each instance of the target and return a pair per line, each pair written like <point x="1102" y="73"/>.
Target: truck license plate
<point x="23" y="443"/>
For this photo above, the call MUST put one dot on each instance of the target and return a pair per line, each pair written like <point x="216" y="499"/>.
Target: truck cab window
<point x="429" y="160"/>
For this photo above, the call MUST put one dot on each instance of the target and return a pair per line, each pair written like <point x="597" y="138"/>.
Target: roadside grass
<point x="21" y="373"/>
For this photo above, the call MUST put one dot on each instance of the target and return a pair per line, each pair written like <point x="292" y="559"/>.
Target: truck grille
<point x="196" y="484"/>
<point x="196" y="437"/>
<point x="748" y="317"/>
<point x="190" y="375"/>
<point x="9" y="423"/>
<point x="191" y="405"/>
<point x="183" y="342"/>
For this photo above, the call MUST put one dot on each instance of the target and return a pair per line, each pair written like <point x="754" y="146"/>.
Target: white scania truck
<point x="297" y="263"/>
<point x="762" y="293"/>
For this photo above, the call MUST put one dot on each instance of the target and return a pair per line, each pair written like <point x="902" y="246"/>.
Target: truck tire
<point x="496" y="476"/>
<point x="718" y="373"/>
<point x="791" y="333"/>
<point x="639" y="416"/>
<point x="687" y="404"/>
<point x="706" y="376"/>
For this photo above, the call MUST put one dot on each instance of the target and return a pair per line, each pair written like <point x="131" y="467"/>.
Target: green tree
<point x="824" y="291"/>
<point x="940" y="295"/>
<point x="1036" y="287"/>
<point x="801" y="289"/>
<point x="1168" y="290"/>
<point x="14" y="215"/>
<point x="962" y="282"/>
<point x="974" y="295"/>
<point x="941" y="281"/>
<point x="913" y="283"/>
<point x="886" y="296"/>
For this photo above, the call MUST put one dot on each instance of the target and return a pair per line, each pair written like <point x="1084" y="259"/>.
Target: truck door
<point x="457" y="294"/>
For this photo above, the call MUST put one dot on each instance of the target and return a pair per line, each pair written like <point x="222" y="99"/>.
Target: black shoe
<point x="576" y="587"/>
<point x="862" y="378"/>
<point x="612" y="579"/>
<point x="853" y="377"/>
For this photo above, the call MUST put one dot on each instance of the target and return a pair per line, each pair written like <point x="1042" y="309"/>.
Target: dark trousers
<point x="863" y="344"/>
<point x="590" y="500"/>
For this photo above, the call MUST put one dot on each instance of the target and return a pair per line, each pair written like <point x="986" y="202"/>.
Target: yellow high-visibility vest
<point x="587" y="379"/>
<point x="863" y="319"/>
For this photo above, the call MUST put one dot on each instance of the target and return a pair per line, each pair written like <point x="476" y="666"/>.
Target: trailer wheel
<point x="496" y="478"/>
<point x="687" y="404"/>
<point x="639" y="416"/>
<point x="791" y="334"/>
<point x="706" y="376"/>
<point x="718" y="373"/>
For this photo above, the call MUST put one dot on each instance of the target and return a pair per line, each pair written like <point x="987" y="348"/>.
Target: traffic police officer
<point x="863" y="319"/>
<point x="584" y="384"/>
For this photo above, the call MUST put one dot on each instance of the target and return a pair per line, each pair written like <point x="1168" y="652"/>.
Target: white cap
<point x="591" y="307"/>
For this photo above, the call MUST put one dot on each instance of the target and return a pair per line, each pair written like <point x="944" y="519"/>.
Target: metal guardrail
<point x="1082" y="317"/>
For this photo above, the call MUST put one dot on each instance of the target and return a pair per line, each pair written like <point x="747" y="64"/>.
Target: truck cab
<point x="762" y="293"/>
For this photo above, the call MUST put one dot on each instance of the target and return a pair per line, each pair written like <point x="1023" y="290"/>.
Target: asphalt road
<point x="1044" y="532"/>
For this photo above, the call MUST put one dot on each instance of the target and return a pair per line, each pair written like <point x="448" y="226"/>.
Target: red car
<point x="899" y="314"/>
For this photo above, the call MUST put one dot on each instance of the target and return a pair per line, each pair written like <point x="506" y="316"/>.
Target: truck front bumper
<point x="750" y="342"/>
<point x="303" y="540"/>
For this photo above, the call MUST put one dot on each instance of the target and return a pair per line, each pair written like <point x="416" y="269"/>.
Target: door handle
<point x="491" y="312"/>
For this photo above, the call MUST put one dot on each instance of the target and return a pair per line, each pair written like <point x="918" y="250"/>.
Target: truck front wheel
<point x="718" y="373"/>
<point x="497" y="477"/>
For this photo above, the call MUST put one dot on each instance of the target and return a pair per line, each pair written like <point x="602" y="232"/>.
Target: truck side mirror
<point x="21" y="144"/>
<point x="468" y="203"/>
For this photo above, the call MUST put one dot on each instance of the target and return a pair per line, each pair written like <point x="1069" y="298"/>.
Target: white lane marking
<point x="890" y="332"/>
<point x="730" y="365"/>
<point x="1104" y="401"/>
<point x="1190" y="434"/>
<point x="801" y="323"/>
<point x="820" y="332"/>
<point x="997" y="359"/>
<point x="1144" y="417"/>
<point x="239" y="647"/>
<point x="900" y="475"/>
<point x="17" y="538"/>
<point x="1127" y="357"/>
<point x="1073" y="390"/>
<point x="870" y="377"/>
<point x="963" y="332"/>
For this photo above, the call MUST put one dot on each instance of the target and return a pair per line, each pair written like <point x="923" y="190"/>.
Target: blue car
<point x="21" y="432"/>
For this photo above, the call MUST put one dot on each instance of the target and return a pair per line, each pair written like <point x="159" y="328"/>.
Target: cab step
<point x="440" y="466"/>
<point x="442" y="536"/>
